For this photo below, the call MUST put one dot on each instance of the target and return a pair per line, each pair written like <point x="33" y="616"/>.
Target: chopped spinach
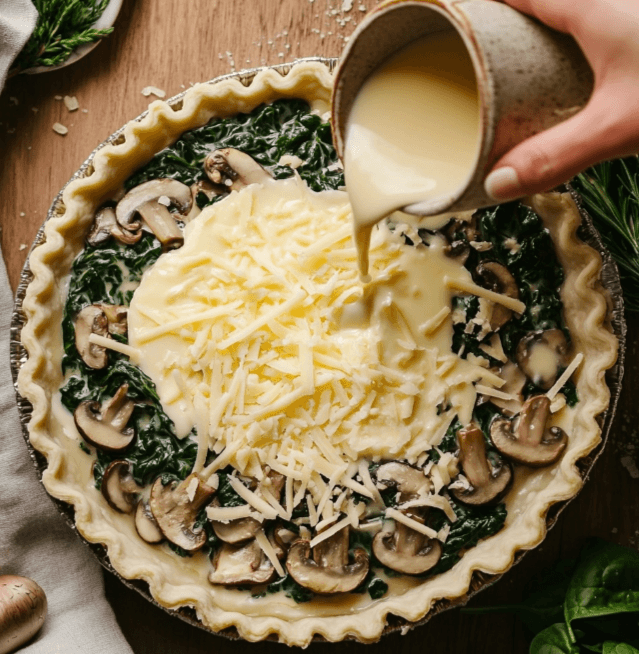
<point x="267" y="133"/>
<point x="472" y="525"/>
<point x="531" y="260"/>
<point x="291" y="589"/>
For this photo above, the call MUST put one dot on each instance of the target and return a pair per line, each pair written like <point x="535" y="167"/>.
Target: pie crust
<point x="68" y="475"/>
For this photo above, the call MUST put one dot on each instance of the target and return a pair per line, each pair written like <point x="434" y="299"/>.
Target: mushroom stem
<point x="533" y="419"/>
<point x="162" y="223"/>
<point x="472" y="458"/>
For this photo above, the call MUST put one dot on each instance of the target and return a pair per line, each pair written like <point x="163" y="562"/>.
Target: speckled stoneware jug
<point x="529" y="77"/>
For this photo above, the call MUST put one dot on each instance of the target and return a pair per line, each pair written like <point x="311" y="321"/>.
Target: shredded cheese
<point x="473" y="289"/>
<point x="111" y="344"/>
<point x="267" y="548"/>
<point x="565" y="376"/>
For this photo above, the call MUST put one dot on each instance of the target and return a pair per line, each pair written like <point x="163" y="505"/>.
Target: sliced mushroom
<point x="175" y="507"/>
<point x="234" y="169"/>
<point x="245" y="564"/>
<point x="201" y="186"/>
<point x="116" y="315"/>
<point x="409" y="481"/>
<point x="91" y="320"/>
<point x="235" y="531"/>
<point x="105" y="427"/>
<point x="105" y="226"/>
<point x="406" y="550"/>
<point x="146" y="525"/>
<point x="145" y="201"/>
<point x="541" y="355"/>
<point x="242" y="529"/>
<point x="119" y="488"/>
<point x="459" y="248"/>
<point x="515" y="382"/>
<point x="488" y="482"/>
<point x="498" y="278"/>
<point x="328" y="571"/>
<point x="528" y="439"/>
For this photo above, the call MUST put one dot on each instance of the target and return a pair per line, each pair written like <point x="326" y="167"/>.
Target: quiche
<point x="259" y="435"/>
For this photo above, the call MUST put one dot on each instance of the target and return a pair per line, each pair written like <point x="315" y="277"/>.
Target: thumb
<point x="604" y="129"/>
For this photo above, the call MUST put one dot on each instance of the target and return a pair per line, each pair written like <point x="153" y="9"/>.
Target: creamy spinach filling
<point x="108" y="273"/>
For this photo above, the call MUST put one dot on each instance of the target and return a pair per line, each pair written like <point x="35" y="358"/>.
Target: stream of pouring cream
<point x="412" y="134"/>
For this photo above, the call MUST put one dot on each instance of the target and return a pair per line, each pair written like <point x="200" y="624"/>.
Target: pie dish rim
<point x="479" y="580"/>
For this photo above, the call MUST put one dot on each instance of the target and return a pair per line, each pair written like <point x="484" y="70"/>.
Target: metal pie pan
<point x="479" y="580"/>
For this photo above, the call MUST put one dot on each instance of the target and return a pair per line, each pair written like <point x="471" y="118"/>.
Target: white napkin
<point x="35" y="541"/>
<point x="17" y="20"/>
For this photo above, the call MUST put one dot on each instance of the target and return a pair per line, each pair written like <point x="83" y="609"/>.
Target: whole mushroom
<point x="326" y="569"/>
<point x="23" y="608"/>
<point x="488" y="481"/>
<point x="528" y="439"/>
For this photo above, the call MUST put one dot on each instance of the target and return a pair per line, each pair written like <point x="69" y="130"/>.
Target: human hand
<point x="608" y="126"/>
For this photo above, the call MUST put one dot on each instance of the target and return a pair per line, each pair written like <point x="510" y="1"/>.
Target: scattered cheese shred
<point x="331" y="531"/>
<point x="492" y="392"/>
<point x="566" y="375"/>
<point x="394" y="514"/>
<point x="249" y="496"/>
<point x="473" y="289"/>
<point x="226" y="513"/>
<point x="267" y="548"/>
<point x="111" y="344"/>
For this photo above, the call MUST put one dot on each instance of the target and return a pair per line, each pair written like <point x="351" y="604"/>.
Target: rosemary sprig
<point x="62" y="26"/>
<point x="611" y="195"/>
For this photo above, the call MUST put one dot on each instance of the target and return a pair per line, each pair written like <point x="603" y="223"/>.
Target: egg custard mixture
<point x="261" y="436"/>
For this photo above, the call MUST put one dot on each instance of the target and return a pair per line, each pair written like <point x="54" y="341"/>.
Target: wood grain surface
<point x="171" y="44"/>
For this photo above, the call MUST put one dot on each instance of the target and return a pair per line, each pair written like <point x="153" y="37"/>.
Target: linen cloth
<point x="35" y="541"/>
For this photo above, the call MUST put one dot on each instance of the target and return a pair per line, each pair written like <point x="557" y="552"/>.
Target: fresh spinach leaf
<point x="554" y="640"/>
<point x="605" y="582"/>
<point x="610" y="647"/>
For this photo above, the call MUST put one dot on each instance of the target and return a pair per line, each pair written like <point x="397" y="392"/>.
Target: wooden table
<point x="171" y="44"/>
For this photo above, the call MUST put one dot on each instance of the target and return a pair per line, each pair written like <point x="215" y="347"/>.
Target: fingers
<point x="598" y="132"/>
<point x="557" y="14"/>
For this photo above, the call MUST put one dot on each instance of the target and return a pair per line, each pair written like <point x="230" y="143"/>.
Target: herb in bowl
<point x="62" y="26"/>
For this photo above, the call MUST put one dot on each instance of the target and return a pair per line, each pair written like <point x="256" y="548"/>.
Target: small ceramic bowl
<point x="107" y="19"/>
<point x="529" y="77"/>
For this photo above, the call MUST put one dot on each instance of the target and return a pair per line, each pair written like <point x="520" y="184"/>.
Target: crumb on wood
<point x="13" y="100"/>
<point x="71" y="103"/>
<point x="23" y="246"/>
<point x="59" y="128"/>
<point x="153" y="90"/>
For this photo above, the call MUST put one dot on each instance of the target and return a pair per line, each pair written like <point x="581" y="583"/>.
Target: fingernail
<point x="503" y="184"/>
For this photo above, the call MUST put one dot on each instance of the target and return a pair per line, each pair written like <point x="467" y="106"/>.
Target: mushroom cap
<point x="151" y="191"/>
<point x="91" y="320"/>
<point x="234" y="169"/>
<point x="499" y="279"/>
<point x="541" y="355"/>
<point x="105" y="226"/>
<point x="408" y="480"/>
<point x="488" y="482"/>
<point x="527" y="439"/>
<point x="236" y="531"/>
<point x="406" y="550"/>
<point x="119" y="488"/>
<point x="146" y="525"/>
<point x="326" y="569"/>
<point x="98" y="432"/>
<point x="235" y="565"/>
<point x="175" y="508"/>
